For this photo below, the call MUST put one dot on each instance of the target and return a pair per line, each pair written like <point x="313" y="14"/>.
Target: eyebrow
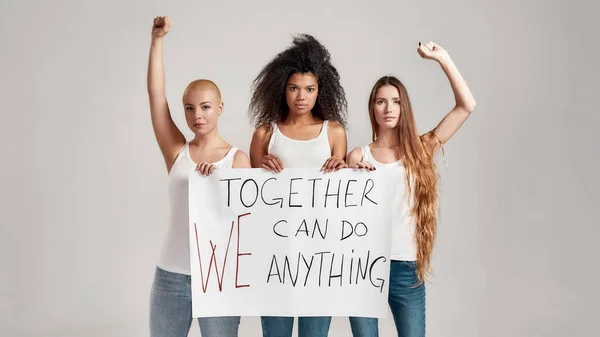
<point x="378" y="98"/>
<point x="200" y="103"/>
<point x="308" y="86"/>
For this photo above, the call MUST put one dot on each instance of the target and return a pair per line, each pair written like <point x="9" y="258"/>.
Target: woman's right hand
<point x="363" y="165"/>
<point x="161" y="26"/>
<point x="270" y="162"/>
<point x="206" y="169"/>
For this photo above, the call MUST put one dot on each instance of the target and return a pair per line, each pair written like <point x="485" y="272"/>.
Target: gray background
<point x="84" y="185"/>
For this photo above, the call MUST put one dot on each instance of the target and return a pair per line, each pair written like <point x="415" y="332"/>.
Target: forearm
<point x="462" y="94"/>
<point x="156" y="71"/>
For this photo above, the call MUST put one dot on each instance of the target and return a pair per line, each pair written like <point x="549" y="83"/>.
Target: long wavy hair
<point x="421" y="173"/>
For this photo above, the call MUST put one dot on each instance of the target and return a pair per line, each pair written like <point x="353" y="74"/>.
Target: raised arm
<point x="169" y="137"/>
<point x="464" y="101"/>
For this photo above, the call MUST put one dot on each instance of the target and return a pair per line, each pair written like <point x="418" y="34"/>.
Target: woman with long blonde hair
<point x="397" y="144"/>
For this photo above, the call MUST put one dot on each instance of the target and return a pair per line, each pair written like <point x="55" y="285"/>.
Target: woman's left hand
<point x="333" y="164"/>
<point x="432" y="51"/>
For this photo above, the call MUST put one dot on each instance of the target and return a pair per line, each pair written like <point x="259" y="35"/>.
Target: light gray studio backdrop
<point x="83" y="197"/>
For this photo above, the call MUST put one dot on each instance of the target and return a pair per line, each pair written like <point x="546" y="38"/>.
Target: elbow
<point x="472" y="105"/>
<point x="469" y="106"/>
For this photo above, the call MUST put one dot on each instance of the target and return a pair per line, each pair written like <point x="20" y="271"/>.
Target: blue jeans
<point x="307" y="326"/>
<point x="407" y="302"/>
<point x="171" y="309"/>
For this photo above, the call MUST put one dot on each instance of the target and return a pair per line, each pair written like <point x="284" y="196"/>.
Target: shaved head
<point x="203" y="85"/>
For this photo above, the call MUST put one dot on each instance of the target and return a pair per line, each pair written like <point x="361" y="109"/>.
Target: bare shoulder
<point x="355" y="156"/>
<point x="262" y="134"/>
<point x="241" y="160"/>
<point x="431" y="141"/>
<point x="336" y="129"/>
<point x="259" y="144"/>
<point x="337" y="134"/>
<point x="263" y="130"/>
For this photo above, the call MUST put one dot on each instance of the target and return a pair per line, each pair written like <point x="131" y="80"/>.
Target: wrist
<point x="445" y="61"/>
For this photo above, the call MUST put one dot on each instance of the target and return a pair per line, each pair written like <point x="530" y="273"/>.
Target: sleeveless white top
<point x="175" y="256"/>
<point x="404" y="247"/>
<point x="312" y="153"/>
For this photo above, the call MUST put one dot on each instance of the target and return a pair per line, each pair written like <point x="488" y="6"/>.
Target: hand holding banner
<point x="295" y="243"/>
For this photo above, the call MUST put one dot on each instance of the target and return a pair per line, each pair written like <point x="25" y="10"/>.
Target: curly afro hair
<point x="306" y="55"/>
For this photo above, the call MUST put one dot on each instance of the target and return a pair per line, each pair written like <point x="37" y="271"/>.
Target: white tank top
<point x="312" y="153"/>
<point x="175" y="256"/>
<point x="403" y="227"/>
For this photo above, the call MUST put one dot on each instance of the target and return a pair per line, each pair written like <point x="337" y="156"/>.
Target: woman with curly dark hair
<point x="299" y="109"/>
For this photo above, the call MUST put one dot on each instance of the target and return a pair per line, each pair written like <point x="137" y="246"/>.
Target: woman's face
<point x="387" y="107"/>
<point x="301" y="91"/>
<point x="202" y="110"/>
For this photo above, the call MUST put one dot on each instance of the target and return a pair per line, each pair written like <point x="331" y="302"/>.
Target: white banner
<point x="295" y="243"/>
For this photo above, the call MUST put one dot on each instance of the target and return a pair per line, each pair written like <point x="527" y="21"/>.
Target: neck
<point x="306" y="118"/>
<point x="211" y="139"/>
<point x="387" y="138"/>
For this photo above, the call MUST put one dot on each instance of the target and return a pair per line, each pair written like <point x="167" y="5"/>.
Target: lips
<point x="301" y="106"/>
